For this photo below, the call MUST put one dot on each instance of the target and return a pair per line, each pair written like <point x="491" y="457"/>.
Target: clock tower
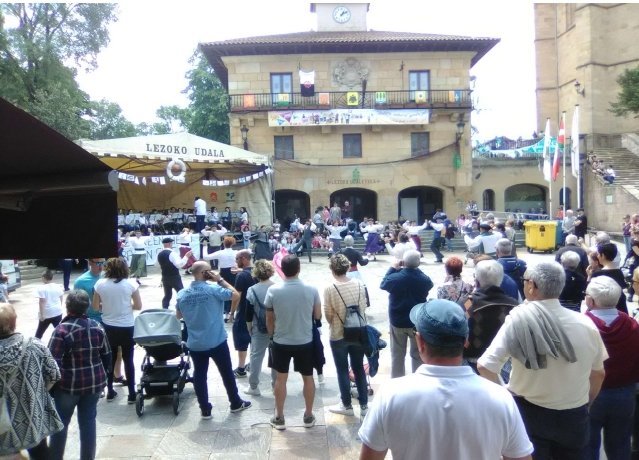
<point x="340" y="17"/>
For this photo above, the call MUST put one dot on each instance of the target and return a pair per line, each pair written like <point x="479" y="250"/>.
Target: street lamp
<point x="244" y="130"/>
<point x="460" y="131"/>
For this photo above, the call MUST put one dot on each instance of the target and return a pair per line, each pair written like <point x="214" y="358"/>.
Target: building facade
<point x="379" y="119"/>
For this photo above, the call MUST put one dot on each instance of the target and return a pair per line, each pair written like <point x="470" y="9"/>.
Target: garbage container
<point x="541" y="235"/>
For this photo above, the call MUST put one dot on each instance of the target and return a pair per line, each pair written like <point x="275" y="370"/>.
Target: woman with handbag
<point x="343" y="295"/>
<point x="27" y="373"/>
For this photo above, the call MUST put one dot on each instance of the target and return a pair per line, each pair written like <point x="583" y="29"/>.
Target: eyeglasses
<point x="99" y="263"/>
<point x="526" y="279"/>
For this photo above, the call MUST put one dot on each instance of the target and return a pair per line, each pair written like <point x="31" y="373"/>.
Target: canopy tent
<point x="56" y="200"/>
<point x="169" y="170"/>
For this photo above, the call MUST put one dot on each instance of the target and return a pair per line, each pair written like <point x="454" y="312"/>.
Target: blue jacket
<point x="406" y="287"/>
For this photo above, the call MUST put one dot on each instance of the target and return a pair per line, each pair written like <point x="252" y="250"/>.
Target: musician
<point x="200" y="213"/>
<point x="244" y="218"/>
<point x="227" y="218"/>
<point x="213" y="217"/>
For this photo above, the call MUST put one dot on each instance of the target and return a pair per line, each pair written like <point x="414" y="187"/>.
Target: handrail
<point x="379" y="100"/>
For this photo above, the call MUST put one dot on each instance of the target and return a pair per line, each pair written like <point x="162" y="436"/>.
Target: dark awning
<point x="56" y="199"/>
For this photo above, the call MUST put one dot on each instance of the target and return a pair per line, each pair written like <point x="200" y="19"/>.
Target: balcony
<point x="377" y="100"/>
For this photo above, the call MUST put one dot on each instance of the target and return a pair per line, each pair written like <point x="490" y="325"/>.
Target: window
<point x="284" y="147"/>
<point x="419" y="144"/>
<point x="488" y="200"/>
<point x="352" y="145"/>
<point x="281" y="84"/>
<point x="419" y="81"/>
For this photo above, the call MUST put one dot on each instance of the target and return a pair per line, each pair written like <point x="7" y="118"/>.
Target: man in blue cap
<point x="427" y="414"/>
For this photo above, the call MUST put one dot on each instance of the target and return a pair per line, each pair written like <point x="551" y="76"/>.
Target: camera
<point x="209" y="275"/>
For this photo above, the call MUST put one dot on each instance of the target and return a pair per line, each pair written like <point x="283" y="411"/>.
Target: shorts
<point x="241" y="336"/>
<point x="302" y="358"/>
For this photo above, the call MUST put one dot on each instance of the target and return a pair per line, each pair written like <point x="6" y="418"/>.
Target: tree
<point x="108" y="121"/>
<point x="628" y="99"/>
<point x="33" y="53"/>
<point x="207" y="114"/>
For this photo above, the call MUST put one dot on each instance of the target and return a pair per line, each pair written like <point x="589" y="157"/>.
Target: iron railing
<point x="379" y="100"/>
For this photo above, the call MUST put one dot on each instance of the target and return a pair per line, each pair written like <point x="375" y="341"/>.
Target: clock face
<point x="341" y="14"/>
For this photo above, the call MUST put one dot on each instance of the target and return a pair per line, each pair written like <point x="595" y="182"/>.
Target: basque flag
<point x="561" y="140"/>
<point x="307" y="83"/>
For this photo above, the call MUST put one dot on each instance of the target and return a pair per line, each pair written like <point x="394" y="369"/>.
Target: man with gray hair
<point x="557" y="365"/>
<point x="489" y="306"/>
<point x="513" y="267"/>
<point x="568" y="224"/>
<point x="572" y="244"/>
<point x="613" y="409"/>
<point x="573" y="293"/>
<point x="407" y="286"/>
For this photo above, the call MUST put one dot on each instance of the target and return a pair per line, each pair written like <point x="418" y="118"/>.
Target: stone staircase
<point x="626" y="166"/>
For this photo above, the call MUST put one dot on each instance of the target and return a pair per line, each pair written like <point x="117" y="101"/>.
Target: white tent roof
<point x="151" y="153"/>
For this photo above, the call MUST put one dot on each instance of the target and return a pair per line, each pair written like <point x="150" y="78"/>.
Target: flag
<point x="561" y="140"/>
<point x="547" y="151"/>
<point x="574" y="144"/>
<point x="307" y="83"/>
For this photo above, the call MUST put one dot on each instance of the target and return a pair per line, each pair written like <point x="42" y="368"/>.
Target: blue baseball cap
<point x="440" y="322"/>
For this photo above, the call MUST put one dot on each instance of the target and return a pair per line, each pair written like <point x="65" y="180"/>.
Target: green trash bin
<point x="541" y="235"/>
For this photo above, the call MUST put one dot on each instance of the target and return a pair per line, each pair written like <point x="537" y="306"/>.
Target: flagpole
<point x="577" y="157"/>
<point x="563" y="118"/>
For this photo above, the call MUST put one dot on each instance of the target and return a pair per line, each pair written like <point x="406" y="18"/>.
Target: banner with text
<point x="348" y="117"/>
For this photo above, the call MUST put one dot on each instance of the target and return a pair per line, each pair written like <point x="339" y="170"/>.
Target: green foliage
<point x="628" y="98"/>
<point x="108" y="121"/>
<point x="207" y="113"/>
<point x="40" y="39"/>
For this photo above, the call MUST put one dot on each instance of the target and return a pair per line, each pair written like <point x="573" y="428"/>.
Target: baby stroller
<point x="375" y="344"/>
<point x="159" y="332"/>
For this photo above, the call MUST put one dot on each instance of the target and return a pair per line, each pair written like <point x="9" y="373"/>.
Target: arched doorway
<point x="291" y="203"/>
<point x="526" y="198"/>
<point x="488" y="200"/>
<point x="419" y="203"/>
<point x="363" y="202"/>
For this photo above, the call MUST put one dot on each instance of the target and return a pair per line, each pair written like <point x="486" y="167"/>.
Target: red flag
<point x="560" y="146"/>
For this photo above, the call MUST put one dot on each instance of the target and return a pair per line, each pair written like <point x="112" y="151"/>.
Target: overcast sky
<point x="144" y="65"/>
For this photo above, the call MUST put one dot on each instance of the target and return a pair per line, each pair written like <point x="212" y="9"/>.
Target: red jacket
<point x="621" y="338"/>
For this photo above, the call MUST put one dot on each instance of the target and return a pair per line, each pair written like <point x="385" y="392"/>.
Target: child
<point x="246" y="235"/>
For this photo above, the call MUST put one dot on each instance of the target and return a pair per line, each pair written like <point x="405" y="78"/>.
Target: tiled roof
<point x="371" y="41"/>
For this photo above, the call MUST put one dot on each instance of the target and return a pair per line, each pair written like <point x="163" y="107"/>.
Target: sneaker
<point x="206" y="412"/>
<point x="252" y="391"/>
<point x="320" y="378"/>
<point x="130" y="399"/>
<point x="309" y="421"/>
<point x="244" y="405"/>
<point x="239" y="372"/>
<point x="363" y="410"/>
<point x="120" y="380"/>
<point x="341" y="409"/>
<point x="278" y="423"/>
<point x="111" y="395"/>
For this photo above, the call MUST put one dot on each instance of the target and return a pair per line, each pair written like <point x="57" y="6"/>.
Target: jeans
<point x="65" y="404"/>
<point x="221" y="356"/>
<point x="259" y="344"/>
<point x="337" y="244"/>
<point x="122" y="337"/>
<point x="306" y="244"/>
<point x="398" y="338"/>
<point x="343" y="350"/>
<point x="67" y="265"/>
<point x="434" y="246"/>
<point x="613" y="410"/>
<point x="555" y="434"/>
<point x="169" y="283"/>
<point x="229" y="277"/>
<point x="44" y="324"/>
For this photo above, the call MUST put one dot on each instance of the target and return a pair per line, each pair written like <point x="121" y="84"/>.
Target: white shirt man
<point x="200" y="213"/>
<point x="427" y="414"/>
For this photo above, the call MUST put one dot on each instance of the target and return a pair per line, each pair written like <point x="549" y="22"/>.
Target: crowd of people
<point x="571" y="374"/>
<point x="599" y="168"/>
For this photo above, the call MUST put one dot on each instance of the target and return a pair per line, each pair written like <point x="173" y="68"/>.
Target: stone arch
<point x="419" y="203"/>
<point x="526" y="198"/>
<point x="363" y="201"/>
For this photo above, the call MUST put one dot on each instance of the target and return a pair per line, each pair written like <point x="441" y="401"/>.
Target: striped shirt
<point x="83" y="354"/>
<point x="335" y="308"/>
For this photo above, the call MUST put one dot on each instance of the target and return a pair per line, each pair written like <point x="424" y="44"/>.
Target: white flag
<point x="547" y="159"/>
<point x="574" y="143"/>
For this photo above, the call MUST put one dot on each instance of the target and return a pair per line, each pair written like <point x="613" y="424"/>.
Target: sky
<point x="145" y="63"/>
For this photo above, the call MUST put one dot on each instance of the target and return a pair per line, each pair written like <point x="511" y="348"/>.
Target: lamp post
<point x="244" y="130"/>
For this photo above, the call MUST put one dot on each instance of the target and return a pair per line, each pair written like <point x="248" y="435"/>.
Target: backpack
<point x="260" y="314"/>
<point x="353" y="322"/>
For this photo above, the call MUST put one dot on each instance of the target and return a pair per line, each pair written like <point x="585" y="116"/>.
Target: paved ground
<point x="159" y="434"/>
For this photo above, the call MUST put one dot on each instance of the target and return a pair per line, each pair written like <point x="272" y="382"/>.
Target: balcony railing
<point x="379" y="100"/>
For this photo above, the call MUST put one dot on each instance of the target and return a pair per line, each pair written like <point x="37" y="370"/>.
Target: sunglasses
<point x="99" y="264"/>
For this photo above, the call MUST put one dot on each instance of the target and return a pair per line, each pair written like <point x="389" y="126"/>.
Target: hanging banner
<point x="348" y="117"/>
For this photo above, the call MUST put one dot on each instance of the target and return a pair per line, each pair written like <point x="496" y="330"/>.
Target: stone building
<point x="379" y="119"/>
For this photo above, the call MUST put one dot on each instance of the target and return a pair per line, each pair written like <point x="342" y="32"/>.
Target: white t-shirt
<point x="200" y="207"/>
<point x="117" y="309"/>
<point x="561" y="385"/>
<point x="445" y="412"/>
<point x="52" y="293"/>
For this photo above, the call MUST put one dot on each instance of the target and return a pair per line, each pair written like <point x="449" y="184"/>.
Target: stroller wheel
<point x="371" y="392"/>
<point x="139" y="404"/>
<point x="176" y="402"/>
